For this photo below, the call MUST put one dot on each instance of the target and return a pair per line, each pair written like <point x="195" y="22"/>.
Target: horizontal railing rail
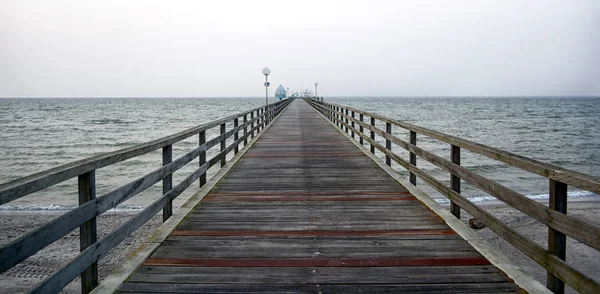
<point x="84" y="216"/>
<point x="559" y="223"/>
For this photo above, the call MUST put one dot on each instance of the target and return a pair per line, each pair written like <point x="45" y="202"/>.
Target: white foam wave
<point x="479" y="199"/>
<point x="54" y="207"/>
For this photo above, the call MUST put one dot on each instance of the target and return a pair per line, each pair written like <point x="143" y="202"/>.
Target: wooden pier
<point x="303" y="207"/>
<point x="305" y="210"/>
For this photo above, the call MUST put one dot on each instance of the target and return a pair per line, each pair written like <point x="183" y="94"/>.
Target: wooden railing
<point x="554" y="217"/>
<point x="90" y="206"/>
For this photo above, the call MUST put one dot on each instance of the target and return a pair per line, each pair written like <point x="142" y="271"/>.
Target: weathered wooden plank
<point x="316" y="262"/>
<point x="306" y="256"/>
<point x="373" y="239"/>
<point x="134" y="287"/>
<point x="280" y="276"/>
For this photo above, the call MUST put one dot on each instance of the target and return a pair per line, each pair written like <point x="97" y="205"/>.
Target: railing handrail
<point x="559" y="223"/>
<point x="18" y="188"/>
<point x="547" y="170"/>
<point x="36" y="239"/>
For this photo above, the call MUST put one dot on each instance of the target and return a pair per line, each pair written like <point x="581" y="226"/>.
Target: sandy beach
<point x="39" y="266"/>
<point x="580" y="256"/>
<point x="36" y="268"/>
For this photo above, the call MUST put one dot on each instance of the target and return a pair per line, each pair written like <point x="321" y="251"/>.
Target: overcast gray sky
<point x="358" y="48"/>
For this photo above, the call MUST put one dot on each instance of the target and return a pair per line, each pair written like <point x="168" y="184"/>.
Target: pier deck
<point x="305" y="210"/>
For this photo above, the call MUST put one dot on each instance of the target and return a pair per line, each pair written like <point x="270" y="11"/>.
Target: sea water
<point x="38" y="134"/>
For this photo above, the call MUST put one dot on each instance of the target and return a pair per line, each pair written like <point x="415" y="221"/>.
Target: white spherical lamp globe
<point x="266" y="71"/>
<point x="316" y="83"/>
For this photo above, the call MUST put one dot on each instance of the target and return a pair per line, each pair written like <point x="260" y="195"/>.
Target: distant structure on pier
<point x="280" y="92"/>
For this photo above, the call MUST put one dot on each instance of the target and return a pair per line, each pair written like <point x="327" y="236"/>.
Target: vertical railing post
<point x="87" y="231"/>
<point x="202" y="156"/>
<point x="346" y="120"/>
<point x="167" y="157"/>
<point x="223" y="145"/>
<point x="337" y="116"/>
<point x="252" y="125"/>
<point x="373" y="135"/>
<point x="262" y="119"/>
<point x="361" y="118"/>
<point x="388" y="143"/>
<point x="454" y="180"/>
<point x="258" y="123"/>
<point x="245" y="129"/>
<point x="236" y="136"/>
<point x="413" y="158"/>
<point x="353" y="124"/>
<point x="267" y="118"/>
<point x="267" y="115"/>
<point x="332" y="113"/>
<point x="557" y="241"/>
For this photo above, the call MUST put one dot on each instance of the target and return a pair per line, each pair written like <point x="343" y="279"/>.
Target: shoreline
<point x="14" y="223"/>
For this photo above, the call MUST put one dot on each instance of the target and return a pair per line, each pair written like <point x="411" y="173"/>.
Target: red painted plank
<point x="304" y="141"/>
<point x="281" y="193"/>
<point x="315" y="262"/>
<point x="311" y="142"/>
<point x="311" y="233"/>
<point x="305" y="154"/>
<point x="311" y="198"/>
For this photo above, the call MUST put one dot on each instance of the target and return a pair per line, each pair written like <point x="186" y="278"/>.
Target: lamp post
<point x="316" y="96"/>
<point x="266" y="71"/>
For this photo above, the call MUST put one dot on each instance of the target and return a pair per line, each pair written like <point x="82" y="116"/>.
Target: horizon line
<point x="339" y="96"/>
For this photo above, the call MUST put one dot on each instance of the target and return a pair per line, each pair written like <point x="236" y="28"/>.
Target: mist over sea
<point x="38" y="134"/>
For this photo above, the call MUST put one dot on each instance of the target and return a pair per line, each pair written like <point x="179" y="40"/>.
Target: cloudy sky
<point x="357" y="48"/>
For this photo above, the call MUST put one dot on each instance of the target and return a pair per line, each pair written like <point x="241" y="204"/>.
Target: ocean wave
<point x="58" y="207"/>
<point x="480" y="199"/>
<point x="107" y="121"/>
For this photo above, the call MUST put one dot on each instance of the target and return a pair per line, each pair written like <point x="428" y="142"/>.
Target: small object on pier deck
<point x="476" y="224"/>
